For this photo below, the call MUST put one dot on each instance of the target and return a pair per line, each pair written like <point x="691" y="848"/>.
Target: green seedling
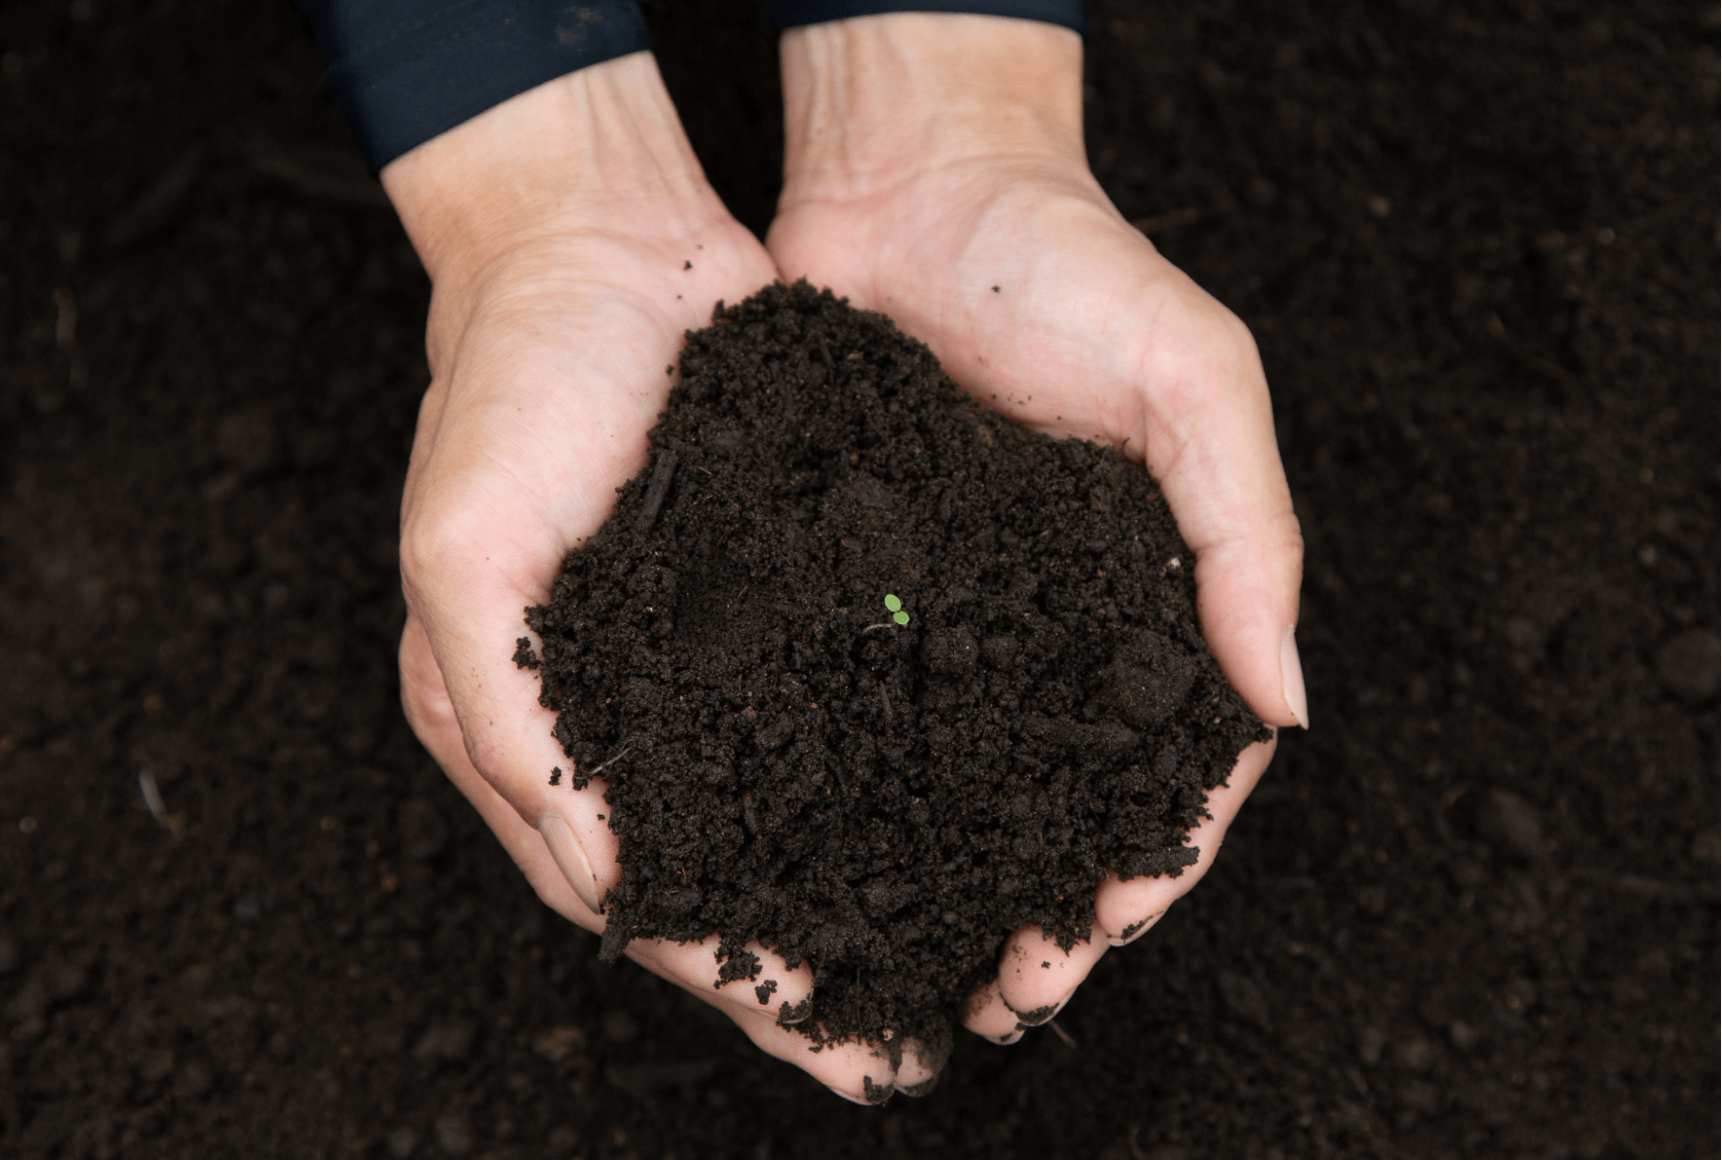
<point x="895" y="607"/>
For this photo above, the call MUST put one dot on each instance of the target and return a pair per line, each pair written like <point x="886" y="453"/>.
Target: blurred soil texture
<point x="1473" y="913"/>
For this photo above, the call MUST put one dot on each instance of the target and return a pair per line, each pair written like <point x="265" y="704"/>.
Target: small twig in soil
<point x="157" y="808"/>
<point x="655" y="492"/>
<point x="1171" y="220"/>
<point x="623" y="752"/>
<point x="886" y="701"/>
<point x="1062" y="1034"/>
<point x="871" y="627"/>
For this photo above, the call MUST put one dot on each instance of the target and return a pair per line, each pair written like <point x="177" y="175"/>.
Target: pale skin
<point x="929" y="158"/>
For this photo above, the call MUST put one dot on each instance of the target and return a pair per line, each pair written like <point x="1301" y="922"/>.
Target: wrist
<point x="870" y="101"/>
<point x="583" y="152"/>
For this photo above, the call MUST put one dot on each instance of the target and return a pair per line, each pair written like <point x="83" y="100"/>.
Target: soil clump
<point x="876" y="676"/>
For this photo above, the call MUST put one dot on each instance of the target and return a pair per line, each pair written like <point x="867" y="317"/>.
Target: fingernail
<point x="876" y="1093"/>
<point x="1291" y="677"/>
<point x="919" y="1089"/>
<point x="571" y="860"/>
<point x="1136" y="930"/>
<point x="1007" y="1040"/>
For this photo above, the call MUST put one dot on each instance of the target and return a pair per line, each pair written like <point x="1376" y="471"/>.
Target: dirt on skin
<point x="1472" y="913"/>
<point x="877" y="677"/>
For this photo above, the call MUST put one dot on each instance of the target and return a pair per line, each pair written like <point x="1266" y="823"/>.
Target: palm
<point x="1029" y="288"/>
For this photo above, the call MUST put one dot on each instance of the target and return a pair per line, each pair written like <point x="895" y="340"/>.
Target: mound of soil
<point x="888" y="796"/>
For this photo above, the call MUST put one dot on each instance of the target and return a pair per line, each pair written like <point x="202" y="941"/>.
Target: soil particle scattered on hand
<point x="787" y="761"/>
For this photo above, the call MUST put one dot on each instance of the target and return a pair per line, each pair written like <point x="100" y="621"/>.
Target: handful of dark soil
<point x="787" y="761"/>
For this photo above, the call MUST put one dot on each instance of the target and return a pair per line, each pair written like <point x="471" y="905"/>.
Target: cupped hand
<point x="935" y="172"/>
<point x="571" y="241"/>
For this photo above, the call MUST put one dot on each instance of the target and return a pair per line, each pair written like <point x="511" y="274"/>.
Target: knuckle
<point x="426" y="703"/>
<point x="1289" y="533"/>
<point x="424" y="696"/>
<point x="435" y="539"/>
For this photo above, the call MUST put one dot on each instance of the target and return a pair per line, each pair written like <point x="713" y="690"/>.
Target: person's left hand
<point x="935" y="173"/>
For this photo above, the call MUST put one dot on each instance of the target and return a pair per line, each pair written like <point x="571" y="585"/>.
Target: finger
<point x="858" y="1072"/>
<point x="918" y="1071"/>
<point x="989" y="1017"/>
<point x="1210" y="442"/>
<point x="1125" y="910"/>
<point x="1037" y="978"/>
<point x="775" y="992"/>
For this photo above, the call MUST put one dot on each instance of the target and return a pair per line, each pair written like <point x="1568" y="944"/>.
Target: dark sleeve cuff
<point x="789" y="13"/>
<point x="403" y="72"/>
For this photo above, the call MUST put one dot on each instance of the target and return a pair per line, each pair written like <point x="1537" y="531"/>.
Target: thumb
<point x="1210" y="443"/>
<point x="477" y="710"/>
<point x="430" y="710"/>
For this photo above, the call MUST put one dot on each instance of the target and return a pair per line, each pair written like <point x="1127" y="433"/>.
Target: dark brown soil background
<point x="1473" y="913"/>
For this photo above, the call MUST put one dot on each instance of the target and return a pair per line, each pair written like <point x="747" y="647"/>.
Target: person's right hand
<point x="571" y="239"/>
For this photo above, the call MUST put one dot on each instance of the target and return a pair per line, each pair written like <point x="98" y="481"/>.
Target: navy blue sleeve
<point x="789" y="13"/>
<point x="403" y="71"/>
